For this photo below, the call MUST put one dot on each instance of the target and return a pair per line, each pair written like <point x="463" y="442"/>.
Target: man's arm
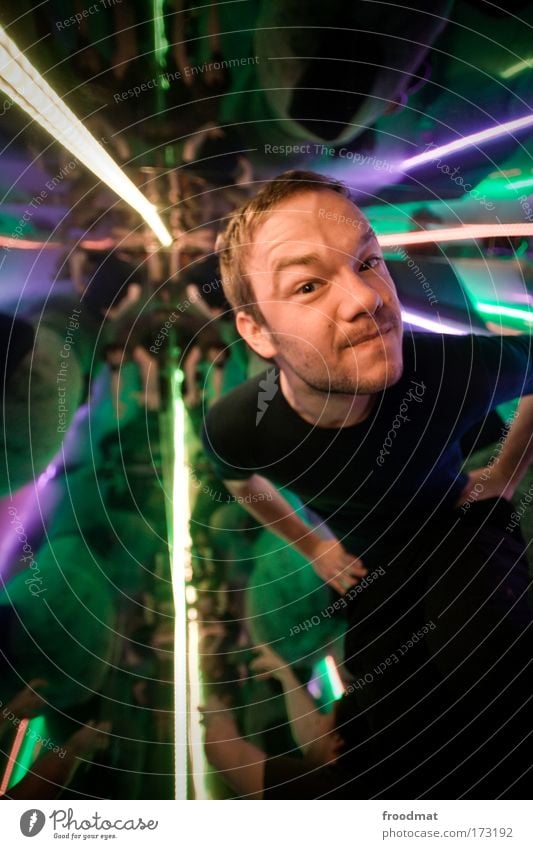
<point x="241" y="763"/>
<point x="193" y="359"/>
<point x="307" y="723"/>
<point x="131" y="297"/>
<point x="149" y="369"/>
<point x="516" y="455"/>
<point x="77" y="262"/>
<point x="502" y="477"/>
<point x="51" y="774"/>
<point x="329" y="559"/>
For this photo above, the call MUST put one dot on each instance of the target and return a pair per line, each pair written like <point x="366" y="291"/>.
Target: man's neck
<point x="323" y="409"/>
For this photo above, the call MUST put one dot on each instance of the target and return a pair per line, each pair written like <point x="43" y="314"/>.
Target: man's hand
<point x="268" y="664"/>
<point x="328" y="558"/>
<point x="501" y="479"/>
<point x="486" y="483"/>
<point x="336" y="566"/>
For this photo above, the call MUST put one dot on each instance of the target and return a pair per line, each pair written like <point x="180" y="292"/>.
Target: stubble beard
<point x="328" y="381"/>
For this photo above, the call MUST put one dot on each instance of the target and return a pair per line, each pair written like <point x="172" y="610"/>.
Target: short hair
<point x="232" y="244"/>
<point x="112" y="348"/>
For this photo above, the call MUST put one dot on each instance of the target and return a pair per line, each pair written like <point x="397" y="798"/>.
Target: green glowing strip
<point x="517" y="68"/>
<point x="333" y="677"/>
<point x="160" y="40"/>
<point x="199" y="765"/>
<point x="329" y="682"/>
<point x="508" y="312"/>
<point x="35" y="731"/>
<point x="520" y="184"/>
<point x="180" y="565"/>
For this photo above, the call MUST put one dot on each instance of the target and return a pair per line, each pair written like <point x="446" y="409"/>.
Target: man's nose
<point x="356" y="296"/>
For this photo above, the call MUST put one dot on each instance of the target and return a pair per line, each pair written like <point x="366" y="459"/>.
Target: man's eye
<point x="307" y="287"/>
<point x="369" y="263"/>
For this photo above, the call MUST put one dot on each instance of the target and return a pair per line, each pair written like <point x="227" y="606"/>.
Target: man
<point x="365" y="426"/>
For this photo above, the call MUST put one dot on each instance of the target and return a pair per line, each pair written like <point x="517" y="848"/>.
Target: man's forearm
<point x="132" y="296"/>
<point x="516" y="454"/>
<point x="47" y="778"/>
<point x="275" y="513"/>
<point x="306" y="721"/>
<point x="241" y="763"/>
<point x="191" y="363"/>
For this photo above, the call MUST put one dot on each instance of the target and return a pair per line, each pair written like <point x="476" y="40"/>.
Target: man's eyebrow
<point x="287" y="262"/>
<point x="309" y="259"/>
<point x="367" y="236"/>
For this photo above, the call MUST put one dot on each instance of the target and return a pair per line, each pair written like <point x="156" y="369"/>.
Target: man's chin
<point x="391" y="377"/>
<point x="361" y="370"/>
<point x="375" y="371"/>
<point x="360" y="384"/>
<point x="372" y="384"/>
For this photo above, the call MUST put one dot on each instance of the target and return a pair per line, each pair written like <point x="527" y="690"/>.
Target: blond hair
<point x="237" y="237"/>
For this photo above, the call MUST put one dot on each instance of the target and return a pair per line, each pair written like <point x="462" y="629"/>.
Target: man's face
<point x="330" y="307"/>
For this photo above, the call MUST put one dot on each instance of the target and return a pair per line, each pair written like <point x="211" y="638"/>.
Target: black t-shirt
<point x="374" y="482"/>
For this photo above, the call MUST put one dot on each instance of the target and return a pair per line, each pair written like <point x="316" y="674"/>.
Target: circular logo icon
<point x="32" y="822"/>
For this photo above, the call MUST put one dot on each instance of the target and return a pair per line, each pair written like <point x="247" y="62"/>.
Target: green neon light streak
<point x="520" y="184"/>
<point x="508" y="312"/>
<point x="160" y="40"/>
<point x="517" y="68"/>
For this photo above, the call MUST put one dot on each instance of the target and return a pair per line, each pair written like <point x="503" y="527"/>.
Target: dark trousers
<point x="440" y="649"/>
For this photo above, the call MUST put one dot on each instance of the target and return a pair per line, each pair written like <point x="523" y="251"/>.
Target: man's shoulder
<point x="429" y="351"/>
<point x="236" y="412"/>
<point x="479" y="368"/>
<point x="427" y="341"/>
<point x="229" y="429"/>
<point x="447" y="344"/>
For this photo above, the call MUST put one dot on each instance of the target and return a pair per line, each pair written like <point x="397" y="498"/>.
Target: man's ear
<point x="256" y="335"/>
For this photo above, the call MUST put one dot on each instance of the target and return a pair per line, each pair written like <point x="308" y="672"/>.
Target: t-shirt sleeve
<point x="495" y="369"/>
<point x="221" y="446"/>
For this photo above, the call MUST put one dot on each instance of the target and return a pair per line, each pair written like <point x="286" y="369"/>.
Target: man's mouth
<point x="377" y="333"/>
